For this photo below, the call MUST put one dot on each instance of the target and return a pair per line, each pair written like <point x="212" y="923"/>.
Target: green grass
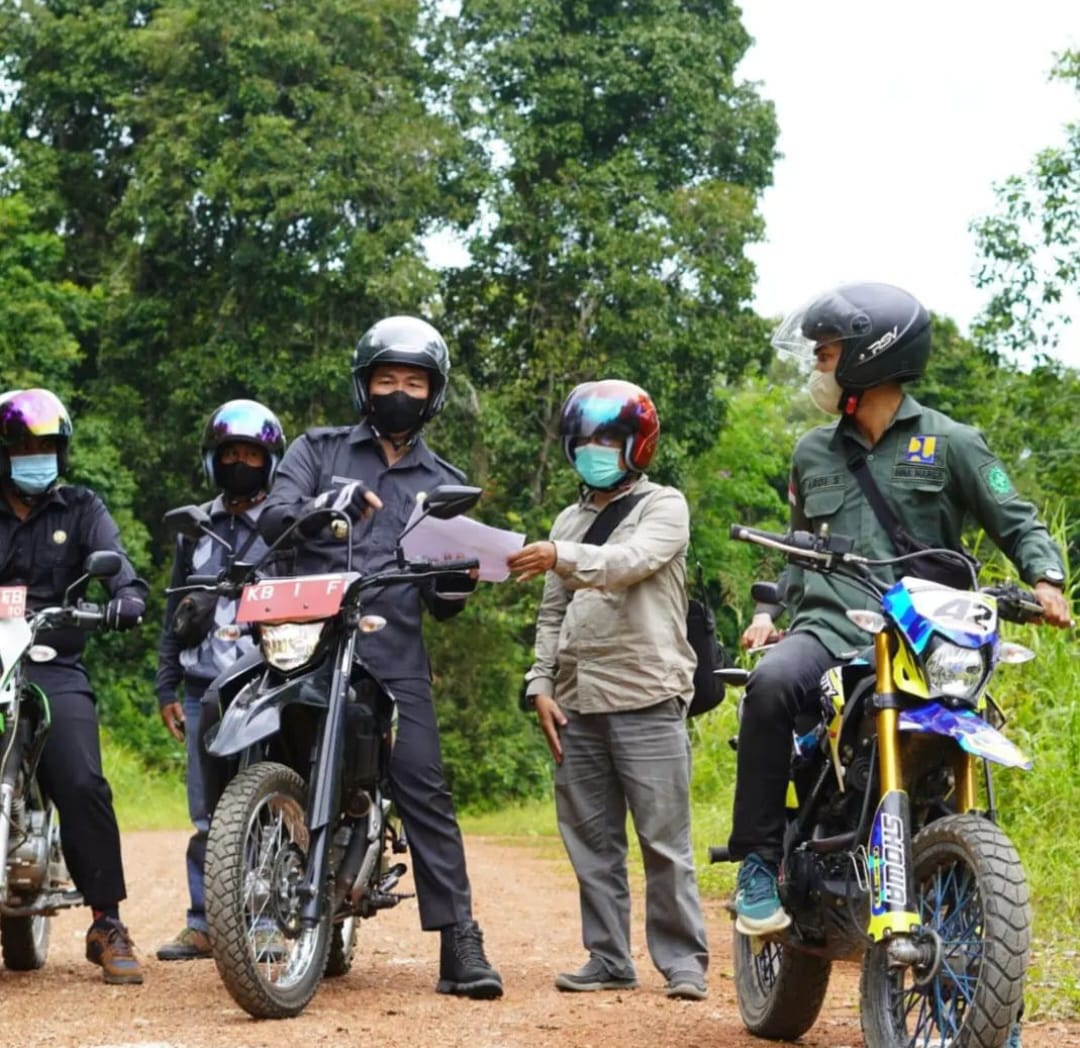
<point x="144" y="800"/>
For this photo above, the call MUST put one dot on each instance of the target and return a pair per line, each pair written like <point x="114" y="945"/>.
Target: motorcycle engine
<point x="28" y="861"/>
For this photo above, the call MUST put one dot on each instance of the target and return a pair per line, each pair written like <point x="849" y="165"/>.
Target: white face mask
<point x="825" y="391"/>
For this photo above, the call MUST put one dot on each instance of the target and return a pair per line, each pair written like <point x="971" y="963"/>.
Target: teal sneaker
<point x="1014" y="1036"/>
<point x="757" y="902"/>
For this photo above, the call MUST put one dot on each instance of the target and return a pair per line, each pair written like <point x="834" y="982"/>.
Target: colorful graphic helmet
<point x="884" y="334"/>
<point x="38" y="412"/>
<point x="246" y="421"/>
<point x="401" y="340"/>
<point x="611" y="407"/>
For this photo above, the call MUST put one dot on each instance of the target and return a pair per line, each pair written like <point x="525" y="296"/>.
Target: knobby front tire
<point x="256" y="857"/>
<point x="972" y="894"/>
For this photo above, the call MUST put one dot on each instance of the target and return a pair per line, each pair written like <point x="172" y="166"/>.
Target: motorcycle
<point x="888" y="858"/>
<point x="301" y="840"/>
<point x="34" y="881"/>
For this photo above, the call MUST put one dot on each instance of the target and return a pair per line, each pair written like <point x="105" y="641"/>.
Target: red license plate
<point x="293" y="600"/>
<point x="12" y="602"/>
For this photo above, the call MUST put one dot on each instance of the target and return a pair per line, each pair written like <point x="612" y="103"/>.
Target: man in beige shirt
<point x="610" y="685"/>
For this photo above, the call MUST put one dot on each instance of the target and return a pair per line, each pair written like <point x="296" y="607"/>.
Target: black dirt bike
<point x="888" y="857"/>
<point x="34" y="882"/>
<point x="300" y="842"/>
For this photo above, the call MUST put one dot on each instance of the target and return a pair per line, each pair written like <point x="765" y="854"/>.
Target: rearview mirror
<point x="103" y="564"/>
<point x="451" y="500"/>
<point x="189" y="521"/>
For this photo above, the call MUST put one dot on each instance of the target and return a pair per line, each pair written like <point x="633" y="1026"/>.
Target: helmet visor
<point x="608" y="408"/>
<point x="243" y="420"/>
<point x="825" y="318"/>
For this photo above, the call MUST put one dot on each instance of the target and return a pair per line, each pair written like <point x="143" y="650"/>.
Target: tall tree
<point x="270" y="172"/>
<point x="1030" y="247"/>
<point x="627" y="158"/>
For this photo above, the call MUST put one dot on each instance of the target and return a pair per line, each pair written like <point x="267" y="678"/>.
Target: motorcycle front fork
<point x="890" y="858"/>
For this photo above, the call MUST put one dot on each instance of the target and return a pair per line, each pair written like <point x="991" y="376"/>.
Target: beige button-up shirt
<point x="620" y="642"/>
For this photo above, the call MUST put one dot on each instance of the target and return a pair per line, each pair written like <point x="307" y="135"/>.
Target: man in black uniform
<point x="374" y="471"/>
<point x="46" y="532"/>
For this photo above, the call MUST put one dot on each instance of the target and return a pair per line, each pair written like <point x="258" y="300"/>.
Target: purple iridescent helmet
<point x="243" y="421"/>
<point x="39" y="413"/>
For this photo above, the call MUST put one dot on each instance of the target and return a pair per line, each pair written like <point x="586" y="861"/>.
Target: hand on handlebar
<point x="123" y="613"/>
<point x="1054" y="605"/>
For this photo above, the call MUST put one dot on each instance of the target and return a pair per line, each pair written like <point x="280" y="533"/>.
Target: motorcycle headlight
<point x="955" y="671"/>
<point x="289" y="645"/>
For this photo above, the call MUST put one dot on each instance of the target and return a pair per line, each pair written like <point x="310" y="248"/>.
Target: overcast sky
<point x="895" y="122"/>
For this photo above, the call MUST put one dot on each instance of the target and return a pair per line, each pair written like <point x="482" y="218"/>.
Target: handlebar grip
<point x="461" y="564"/>
<point x="742" y="533"/>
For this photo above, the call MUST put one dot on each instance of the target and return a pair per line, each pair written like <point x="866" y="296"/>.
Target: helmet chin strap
<point x="397" y="445"/>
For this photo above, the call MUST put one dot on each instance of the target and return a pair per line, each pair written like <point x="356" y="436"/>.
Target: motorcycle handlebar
<point x="1015" y="604"/>
<point x="88" y="615"/>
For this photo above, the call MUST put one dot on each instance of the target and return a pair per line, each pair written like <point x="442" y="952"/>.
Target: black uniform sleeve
<point x="101" y="533"/>
<point x="169" y="672"/>
<point x="295" y="483"/>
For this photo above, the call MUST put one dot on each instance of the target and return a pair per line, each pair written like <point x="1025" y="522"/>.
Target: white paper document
<point x="460" y="537"/>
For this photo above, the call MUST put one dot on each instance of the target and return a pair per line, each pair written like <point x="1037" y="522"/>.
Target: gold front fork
<point x="967" y="793"/>
<point x="887" y="720"/>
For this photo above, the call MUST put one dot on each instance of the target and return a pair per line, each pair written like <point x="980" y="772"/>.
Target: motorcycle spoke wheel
<point x="973" y="901"/>
<point x="256" y="861"/>
<point x="779" y="990"/>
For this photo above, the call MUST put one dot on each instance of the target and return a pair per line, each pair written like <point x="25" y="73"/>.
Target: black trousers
<point x="784" y="684"/>
<point x="421" y="797"/>
<point x="70" y="773"/>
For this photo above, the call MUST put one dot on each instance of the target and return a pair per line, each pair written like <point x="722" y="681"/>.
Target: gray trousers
<point x="637" y="761"/>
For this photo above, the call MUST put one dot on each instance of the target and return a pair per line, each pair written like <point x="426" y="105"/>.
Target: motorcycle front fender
<point x="970" y="732"/>
<point x="256" y="715"/>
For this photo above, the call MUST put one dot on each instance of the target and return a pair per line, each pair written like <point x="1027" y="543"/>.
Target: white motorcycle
<point x="34" y="881"/>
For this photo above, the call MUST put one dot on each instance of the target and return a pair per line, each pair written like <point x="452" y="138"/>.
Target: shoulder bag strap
<point x="609" y="518"/>
<point x="882" y="510"/>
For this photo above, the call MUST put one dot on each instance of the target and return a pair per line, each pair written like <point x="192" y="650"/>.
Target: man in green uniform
<point x="865" y="341"/>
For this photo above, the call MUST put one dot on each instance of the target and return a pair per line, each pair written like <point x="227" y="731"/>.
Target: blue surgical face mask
<point x="598" y="466"/>
<point x="33" y="474"/>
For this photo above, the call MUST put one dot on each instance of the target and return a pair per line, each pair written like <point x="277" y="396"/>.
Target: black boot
<point x="463" y="968"/>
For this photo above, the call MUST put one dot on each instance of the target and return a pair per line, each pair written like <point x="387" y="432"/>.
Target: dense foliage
<point x="207" y="200"/>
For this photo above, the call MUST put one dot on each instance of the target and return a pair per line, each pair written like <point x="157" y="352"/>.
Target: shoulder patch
<point x="458" y="474"/>
<point x="325" y="432"/>
<point x="997" y="481"/>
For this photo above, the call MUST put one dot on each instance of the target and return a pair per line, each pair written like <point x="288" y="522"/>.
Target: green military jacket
<point x="935" y="473"/>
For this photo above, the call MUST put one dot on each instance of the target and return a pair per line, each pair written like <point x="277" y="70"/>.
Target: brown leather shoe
<point x="190" y="945"/>
<point x="108" y="944"/>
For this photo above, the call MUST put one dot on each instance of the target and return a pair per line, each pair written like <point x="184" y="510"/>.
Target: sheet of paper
<point x="437" y="540"/>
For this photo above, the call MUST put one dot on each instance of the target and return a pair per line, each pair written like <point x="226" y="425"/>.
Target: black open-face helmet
<point x="883" y="331"/>
<point x="401" y="340"/>
<point x="244" y="421"/>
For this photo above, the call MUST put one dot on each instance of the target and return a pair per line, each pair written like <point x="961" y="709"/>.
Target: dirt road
<point x="526" y="901"/>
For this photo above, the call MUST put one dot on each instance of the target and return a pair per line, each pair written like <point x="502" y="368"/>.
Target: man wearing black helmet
<point x="863" y="341"/>
<point x="242" y="446"/>
<point x="47" y="529"/>
<point x="374" y="471"/>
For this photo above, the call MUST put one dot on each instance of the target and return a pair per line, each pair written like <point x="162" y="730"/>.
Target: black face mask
<point x="397" y="413"/>
<point x="238" y="478"/>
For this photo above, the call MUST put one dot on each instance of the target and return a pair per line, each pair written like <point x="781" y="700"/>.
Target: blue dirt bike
<point x="889" y="857"/>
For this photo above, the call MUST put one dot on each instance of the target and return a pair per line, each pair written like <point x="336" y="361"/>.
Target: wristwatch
<point x="1054" y="576"/>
